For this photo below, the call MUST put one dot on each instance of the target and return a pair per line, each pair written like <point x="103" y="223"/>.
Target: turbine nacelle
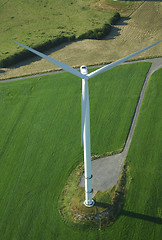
<point x="84" y="71"/>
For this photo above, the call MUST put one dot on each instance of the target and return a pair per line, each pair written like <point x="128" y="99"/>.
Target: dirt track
<point x="131" y="34"/>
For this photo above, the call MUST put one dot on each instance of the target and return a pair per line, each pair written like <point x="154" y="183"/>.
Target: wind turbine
<point x="85" y="116"/>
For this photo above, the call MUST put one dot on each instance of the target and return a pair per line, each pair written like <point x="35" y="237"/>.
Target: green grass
<point x="40" y="145"/>
<point x="141" y="217"/>
<point x="120" y="3"/>
<point x="106" y="110"/>
<point x="35" y="22"/>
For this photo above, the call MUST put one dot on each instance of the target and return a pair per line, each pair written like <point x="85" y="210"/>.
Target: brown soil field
<point x="140" y="29"/>
<point x="122" y="7"/>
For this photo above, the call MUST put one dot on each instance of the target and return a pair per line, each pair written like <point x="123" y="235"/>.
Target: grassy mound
<point x="108" y="205"/>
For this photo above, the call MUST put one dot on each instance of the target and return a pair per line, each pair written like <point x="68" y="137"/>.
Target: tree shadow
<point x="35" y="58"/>
<point x="122" y="21"/>
<point x="27" y="61"/>
<point x="115" y="30"/>
<point x="2" y="71"/>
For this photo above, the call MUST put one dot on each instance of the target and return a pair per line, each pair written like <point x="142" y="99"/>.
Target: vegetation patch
<point x="108" y="205"/>
<point x="46" y="23"/>
<point x="100" y="33"/>
<point x="97" y="33"/>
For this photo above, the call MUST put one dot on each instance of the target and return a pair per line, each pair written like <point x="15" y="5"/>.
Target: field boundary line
<point x="61" y="71"/>
<point x="136" y="9"/>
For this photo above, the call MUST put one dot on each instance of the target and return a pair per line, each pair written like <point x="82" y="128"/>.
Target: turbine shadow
<point x="108" y="207"/>
<point x="156" y="220"/>
<point x="103" y="205"/>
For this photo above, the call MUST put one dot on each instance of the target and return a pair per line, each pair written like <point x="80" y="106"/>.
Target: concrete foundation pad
<point x="106" y="172"/>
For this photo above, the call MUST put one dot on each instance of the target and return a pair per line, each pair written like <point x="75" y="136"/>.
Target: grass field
<point x="141" y="217"/>
<point x="36" y="22"/>
<point x="40" y="145"/>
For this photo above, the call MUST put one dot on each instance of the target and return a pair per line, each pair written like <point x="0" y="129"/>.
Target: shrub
<point x="97" y="33"/>
<point x="115" y="18"/>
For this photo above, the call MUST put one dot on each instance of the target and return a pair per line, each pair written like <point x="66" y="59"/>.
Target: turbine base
<point x="89" y="205"/>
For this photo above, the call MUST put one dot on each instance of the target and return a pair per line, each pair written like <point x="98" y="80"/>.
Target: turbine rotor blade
<point x="114" y="64"/>
<point x="56" y="62"/>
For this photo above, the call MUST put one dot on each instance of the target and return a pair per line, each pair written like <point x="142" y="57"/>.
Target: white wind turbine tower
<point x="85" y="116"/>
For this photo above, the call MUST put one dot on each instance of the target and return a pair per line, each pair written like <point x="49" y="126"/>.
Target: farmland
<point x="40" y="146"/>
<point x="37" y="22"/>
<point x="141" y="217"/>
<point x="140" y="29"/>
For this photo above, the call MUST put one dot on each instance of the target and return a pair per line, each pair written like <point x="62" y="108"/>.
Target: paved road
<point x="106" y="171"/>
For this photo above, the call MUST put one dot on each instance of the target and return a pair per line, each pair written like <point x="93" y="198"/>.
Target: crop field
<point x="40" y="146"/>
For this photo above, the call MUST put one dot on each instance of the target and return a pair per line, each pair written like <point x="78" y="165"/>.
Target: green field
<point x="141" y="217"/>
<point x="35" y="22"/>
<point x="40" y="146"/>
